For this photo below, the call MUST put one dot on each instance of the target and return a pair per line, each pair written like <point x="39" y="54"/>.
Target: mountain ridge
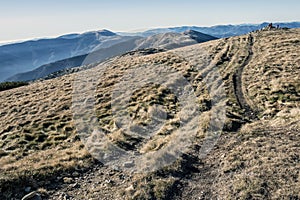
<point x="164" y="41"/>
<point x="219" y="31"/>
<point x="28" y="55"/>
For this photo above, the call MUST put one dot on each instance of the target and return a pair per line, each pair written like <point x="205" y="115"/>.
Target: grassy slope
<point x="257" y="155"/>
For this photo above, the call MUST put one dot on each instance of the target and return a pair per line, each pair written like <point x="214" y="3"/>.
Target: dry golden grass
<point x="38" y="139"/>
<point x="263" y="162"/>
<point x="272" y="77"/>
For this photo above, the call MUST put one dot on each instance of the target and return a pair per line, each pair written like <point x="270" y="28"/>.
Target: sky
<point x="20" y="19"/>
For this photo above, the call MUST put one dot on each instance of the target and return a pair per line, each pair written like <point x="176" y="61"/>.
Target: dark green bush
<point x="10" y="85"/>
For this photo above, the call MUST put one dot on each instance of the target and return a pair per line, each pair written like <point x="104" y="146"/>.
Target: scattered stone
<point x="116" y="168"/>
<point x="129" y="189"/>
<point x="75" y="185"/>
<point x="68" y="180"/>
<point x="32" y="196"/>
<point x="109" y="182"/>
<point x="64" y="196"/>
<point x="75" y="174"/>
<point x="128" y="164"/>
<point x="111" y="173"/>
<point x="27" y="189"/>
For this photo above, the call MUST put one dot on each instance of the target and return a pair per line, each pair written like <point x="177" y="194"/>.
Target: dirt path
<point x="199" y="179"/>
<point x="99" y="181"/>
<point x="202" y="173"/>
<point x="237" y="82"/>
<point x="198" y="174"/>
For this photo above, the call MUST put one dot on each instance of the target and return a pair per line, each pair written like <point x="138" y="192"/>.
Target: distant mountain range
<point x="26" y="56"/>
<point x="219" y="31"/>
<point x="34" y="59"/>
<point x="163" y="41"/>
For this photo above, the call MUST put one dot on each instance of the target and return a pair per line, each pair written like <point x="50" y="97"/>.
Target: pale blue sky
<point x="20" y="19"/>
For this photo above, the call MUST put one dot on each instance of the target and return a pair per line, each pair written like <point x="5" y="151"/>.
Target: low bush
<point x="10" y="85"/>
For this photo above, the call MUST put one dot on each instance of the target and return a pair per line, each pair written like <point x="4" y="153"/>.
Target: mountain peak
<point x="198" y="36"/>
<point x="105" y="32"/>
<point x="190" y="31"/>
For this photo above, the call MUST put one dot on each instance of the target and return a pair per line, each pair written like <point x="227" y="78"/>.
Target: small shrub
<point x="11" y="85"/>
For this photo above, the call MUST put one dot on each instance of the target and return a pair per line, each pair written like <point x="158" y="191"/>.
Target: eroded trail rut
<point x="238" y="83"/>
<point x="202" y="173"/>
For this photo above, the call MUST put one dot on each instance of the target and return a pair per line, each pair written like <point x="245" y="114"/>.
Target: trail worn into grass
<point x="238" y="84"/>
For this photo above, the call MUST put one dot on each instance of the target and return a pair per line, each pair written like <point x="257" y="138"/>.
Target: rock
<point x="68" y="180"/>
<point x="109" y="182"/>
<point x="27" y="189"/>
<point x="116" y="168"/>
<point x="128" y="164"/>
<point x="32" y="196"/>
<point x="75" y="185"/>
<point x="75" y="174"/>
<point x="63" y="196"/>
<point x="129" y="189"/>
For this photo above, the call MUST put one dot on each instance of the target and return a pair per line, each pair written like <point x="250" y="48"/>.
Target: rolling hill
<point x="216" y="120"/>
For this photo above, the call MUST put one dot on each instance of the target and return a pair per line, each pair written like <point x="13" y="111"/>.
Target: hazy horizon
<point x="130" y="31"/>
<point x="20" y="20"/>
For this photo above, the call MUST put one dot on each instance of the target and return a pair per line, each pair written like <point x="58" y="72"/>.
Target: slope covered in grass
<point x="255" y="79"/>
